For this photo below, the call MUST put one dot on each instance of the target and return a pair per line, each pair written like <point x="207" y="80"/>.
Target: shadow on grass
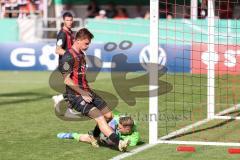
<point x="21" y="97"/>
<point x="208" y="128"/>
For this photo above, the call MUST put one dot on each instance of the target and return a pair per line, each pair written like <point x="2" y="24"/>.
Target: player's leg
<point x="79" y="137"/>
<point x="96" y="114"/>
<point x="85" y="138"/>
<point x="106" y="112"/>
<point x="57" y="99"/>
<point x="88" y="109"/>
<point x="107" y="115"/>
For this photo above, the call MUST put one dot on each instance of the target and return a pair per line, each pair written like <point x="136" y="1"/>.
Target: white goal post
<point x="153" y="72"/>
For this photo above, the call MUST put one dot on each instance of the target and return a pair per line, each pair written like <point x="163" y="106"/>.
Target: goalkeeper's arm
<point x="134" y="138"/>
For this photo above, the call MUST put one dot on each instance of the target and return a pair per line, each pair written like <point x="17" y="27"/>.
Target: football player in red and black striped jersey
<point x="65" y="40"/>
<point x="65" y="36"/>
<point x="79" y="94"/>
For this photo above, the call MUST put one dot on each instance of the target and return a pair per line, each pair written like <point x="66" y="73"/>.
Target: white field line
<point x="181" y="131"/>
<point x="200" y="143"/>
<point x="226" y="117"/>
<point x="134" y="151"/>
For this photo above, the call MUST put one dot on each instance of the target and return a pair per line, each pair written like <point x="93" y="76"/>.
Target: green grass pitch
<point x="28" y="125"/>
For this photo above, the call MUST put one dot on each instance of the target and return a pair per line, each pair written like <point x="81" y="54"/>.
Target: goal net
<point x="196" y="44"/>
<point x="201" y="43"/>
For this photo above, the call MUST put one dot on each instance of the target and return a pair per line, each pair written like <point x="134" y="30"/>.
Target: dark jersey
<point x="64" y="40"/>
<point x="74" y="63"/>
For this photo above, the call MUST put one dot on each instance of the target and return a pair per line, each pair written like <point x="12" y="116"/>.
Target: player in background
<point x="65" y="40"/>
<point x="65" y="36"/>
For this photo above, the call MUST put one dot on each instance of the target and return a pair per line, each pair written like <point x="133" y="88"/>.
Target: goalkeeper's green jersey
<point x="134" y="137"/>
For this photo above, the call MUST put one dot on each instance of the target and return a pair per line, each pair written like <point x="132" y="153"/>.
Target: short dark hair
<point x="84" y="33"/>
<point x="126" y="121"/>
<point x="67" y="14"/>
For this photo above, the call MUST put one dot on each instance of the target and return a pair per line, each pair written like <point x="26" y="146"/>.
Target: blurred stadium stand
<point x="39" y="20"/>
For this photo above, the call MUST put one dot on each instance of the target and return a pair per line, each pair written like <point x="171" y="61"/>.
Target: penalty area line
<point x="134" y="151"/>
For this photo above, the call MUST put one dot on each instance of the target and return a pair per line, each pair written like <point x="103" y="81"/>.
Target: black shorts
<point x="82" y="106"/>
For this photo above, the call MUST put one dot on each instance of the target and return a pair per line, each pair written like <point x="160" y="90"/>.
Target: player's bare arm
<point x="86" y="95"/>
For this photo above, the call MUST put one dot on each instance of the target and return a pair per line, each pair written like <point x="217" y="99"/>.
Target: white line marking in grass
<point x="163" y="140"/>
<point x="226" y="144"/>
<point x="227" y="117"/>
<point x="181" y="131"/>
<point x="134" y="151"/>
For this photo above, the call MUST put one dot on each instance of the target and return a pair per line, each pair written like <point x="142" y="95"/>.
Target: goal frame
<point x="153" y="97"/>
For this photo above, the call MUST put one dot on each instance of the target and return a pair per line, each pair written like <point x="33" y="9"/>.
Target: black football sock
<point x="114" y="138"/>
<point x="64" y="95"/>
<point x="96" y="131"/>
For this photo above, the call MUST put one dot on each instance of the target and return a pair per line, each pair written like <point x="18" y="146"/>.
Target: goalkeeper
<point x="123" y="126"/>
